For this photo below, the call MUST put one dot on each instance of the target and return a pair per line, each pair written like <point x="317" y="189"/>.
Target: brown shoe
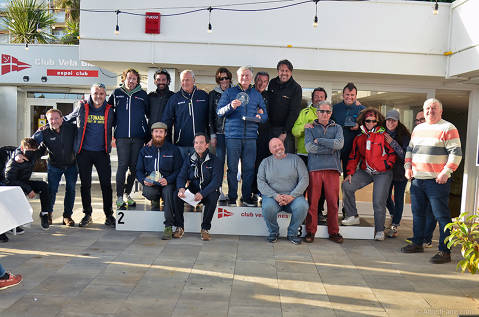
<point x="179" y="232"/>
<point x="205" y="235"/>
<point x="309" y="238"/>
<point x="336" y="238"/>
<point x="50" y="219"/>
<point x="68" y="221"/>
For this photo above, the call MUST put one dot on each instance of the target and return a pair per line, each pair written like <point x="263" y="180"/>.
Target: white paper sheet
<point x="190" y="198"/>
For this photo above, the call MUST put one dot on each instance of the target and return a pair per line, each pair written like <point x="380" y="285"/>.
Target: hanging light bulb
<point x="436" y="8"/>
<point x="210" y="28"/>
<point x="26" y="46"/>
<point x="315" y="21"/>
<point x="117" y="27"/>
<point x="13" y="20"/>
<point x="38" y="28"/>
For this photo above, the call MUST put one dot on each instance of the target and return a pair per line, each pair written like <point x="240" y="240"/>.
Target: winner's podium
<point x="227" y="220"/>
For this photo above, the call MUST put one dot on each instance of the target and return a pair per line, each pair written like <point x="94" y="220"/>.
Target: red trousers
<point x="330" y="180"/>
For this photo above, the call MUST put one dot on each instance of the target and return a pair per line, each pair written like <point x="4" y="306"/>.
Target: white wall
<point x="388" y="37"/>
<point x="8" y="119"/>
<point x="464" y="37"/>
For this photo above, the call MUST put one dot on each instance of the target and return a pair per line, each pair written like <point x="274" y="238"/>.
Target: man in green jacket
<point x="305" y="120"/>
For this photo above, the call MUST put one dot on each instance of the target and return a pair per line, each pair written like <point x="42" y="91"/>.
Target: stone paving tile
<point x="254" y="311"/>
<point x="36" y="306"/>
<point x="194" y="308"/>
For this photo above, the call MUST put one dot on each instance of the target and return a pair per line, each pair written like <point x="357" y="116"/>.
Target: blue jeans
<point x="430" y="224"/>
<point x="221" y="153"/>
<point x="54" y="177"/>
<point x="244" y="149"/>
<point x="2" y="270"/>
<point x="423" y="190"/>
<point x="298" y="209"/>
<point x="396" y="206"/>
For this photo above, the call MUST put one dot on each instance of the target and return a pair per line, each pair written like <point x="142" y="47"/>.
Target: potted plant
<point x="465" y="232"/>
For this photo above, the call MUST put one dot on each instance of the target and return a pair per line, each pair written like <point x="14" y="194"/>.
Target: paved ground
<point x="97" y="271"/>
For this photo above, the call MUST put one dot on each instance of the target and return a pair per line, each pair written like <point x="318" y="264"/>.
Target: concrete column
<point x="175" y="79"/>
<point x="469" y="199"/>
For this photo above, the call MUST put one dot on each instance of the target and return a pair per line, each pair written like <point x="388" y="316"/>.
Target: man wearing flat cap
<point x="157" y="168"/>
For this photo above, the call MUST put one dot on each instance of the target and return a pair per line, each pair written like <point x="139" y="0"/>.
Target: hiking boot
<point x="441" y="257"/>
<point x="18" y="230"/>
<point x="86" y="220"/>
<point x="50" y="219"/>
<point x="167" y="233"/>
<point x="273" y="237"/>
<point x="68" y="221"/>
<point x="9" y="280"/>
<point x="3" y="238"/>
<point x="44" y="220"/>
<point x="409" y="240"/>
<point x="294" y="240"/>
<point x="110" y="221"/>
<point x="129" y="201"/>
<point x="379" y="236"/>
<point x="205" y="235"/>
<point x="179" y="232"/>
<point x="336" y="238"/>
<point x="412" y="248"/>
<point x="309" y="238"/>
<point x="350" y="221"/>
<point x="120" y="204"/>
<point x="232" y="202"/>
<point x="393" y="232"/>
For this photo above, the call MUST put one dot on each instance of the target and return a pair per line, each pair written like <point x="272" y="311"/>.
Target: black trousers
<point x="101" y="160"/>
<point x="41" y="187"/>
<point x="209" y="201"/>
<point x="167" y="194"/>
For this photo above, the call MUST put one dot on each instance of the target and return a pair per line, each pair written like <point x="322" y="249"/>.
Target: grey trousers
<point x="381" y="184"/>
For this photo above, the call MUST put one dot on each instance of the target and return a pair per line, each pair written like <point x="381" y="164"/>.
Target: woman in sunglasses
<point x="375" y="158"/>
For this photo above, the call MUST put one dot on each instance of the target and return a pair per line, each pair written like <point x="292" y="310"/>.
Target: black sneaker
<point x="232" y="202"/>
<point x="273" y="237"/>
<point x="294" y="239"/>
<point x="412" y="248"/>
<point x="248" y="203"/>
<point x="441" y="257"/>
<point x="19" y="230"/>
<point x="3" y="238"/>
<point x="86" y="220"/>
<point x="45" y="221"/>
<point x="110" y="221"/>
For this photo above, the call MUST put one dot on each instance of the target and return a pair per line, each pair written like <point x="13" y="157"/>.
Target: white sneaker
<point x="379" y="236"/>
<point x="350" y="221"/>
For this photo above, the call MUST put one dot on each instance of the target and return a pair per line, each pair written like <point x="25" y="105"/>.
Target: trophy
<point x="243" y="97"/>
<point x="154" y="177"/>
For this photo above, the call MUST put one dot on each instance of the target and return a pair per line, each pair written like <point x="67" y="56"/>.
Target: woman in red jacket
<point x="375" y="158"/>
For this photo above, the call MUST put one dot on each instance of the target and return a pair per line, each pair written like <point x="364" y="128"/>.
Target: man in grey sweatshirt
<point x="282" y="180"/>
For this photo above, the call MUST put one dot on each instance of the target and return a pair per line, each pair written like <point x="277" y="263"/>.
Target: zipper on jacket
<point x="129" y="116"/>
<point x="179" y="136"/>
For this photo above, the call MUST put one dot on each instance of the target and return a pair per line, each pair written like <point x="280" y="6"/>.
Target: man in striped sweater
<point x="434" y="152"/>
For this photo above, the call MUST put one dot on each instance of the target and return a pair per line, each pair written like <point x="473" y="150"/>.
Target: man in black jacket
<point x="18" y="174"/>
<point x="159" y="98"/>
<point x="58" y="138"/>
<point x="284" y="104"/>
<point x="201" y="170"/>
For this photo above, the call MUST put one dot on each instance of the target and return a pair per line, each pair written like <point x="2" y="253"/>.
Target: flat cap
<point x="159" y="125"/>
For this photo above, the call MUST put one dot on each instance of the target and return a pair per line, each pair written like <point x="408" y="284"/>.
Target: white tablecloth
<point x="15" y="210"/>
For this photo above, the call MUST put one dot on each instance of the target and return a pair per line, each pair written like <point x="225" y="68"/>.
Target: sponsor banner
<point x="72" y="73"/>
<point x="228" y="220"/>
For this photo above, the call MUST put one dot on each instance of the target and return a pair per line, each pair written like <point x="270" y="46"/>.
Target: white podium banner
<point x="229" y="220"/>
<point x="15" y="210"/>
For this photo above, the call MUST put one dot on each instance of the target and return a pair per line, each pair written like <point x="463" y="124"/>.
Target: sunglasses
<point x="421" y="120"/>
<point x="370" y="121"/>
<point x="324" y="111"/>
<point x="223" y="78"/>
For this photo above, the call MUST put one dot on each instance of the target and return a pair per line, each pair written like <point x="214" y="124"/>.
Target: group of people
<point x="290" y="157"/>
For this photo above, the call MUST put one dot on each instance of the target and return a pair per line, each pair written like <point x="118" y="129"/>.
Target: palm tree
<point x="27" y="21"/>
<point x="72" y="34"/>
<point x="72" y="9"/>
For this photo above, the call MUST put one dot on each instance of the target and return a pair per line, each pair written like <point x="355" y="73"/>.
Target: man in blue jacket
<point x="187" y="112"/>
<point x="202" y="170"/>
<point x="157" y="168"/>
<point x="244" y="108"/>
<point x="131" y="105"/>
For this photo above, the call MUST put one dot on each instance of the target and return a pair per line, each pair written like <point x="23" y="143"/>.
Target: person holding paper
<point x="202" y="171"/>
<point x="157" y="168"/>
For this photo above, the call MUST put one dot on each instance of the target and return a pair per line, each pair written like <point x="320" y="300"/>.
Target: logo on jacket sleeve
<point x="224" y="213"/>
